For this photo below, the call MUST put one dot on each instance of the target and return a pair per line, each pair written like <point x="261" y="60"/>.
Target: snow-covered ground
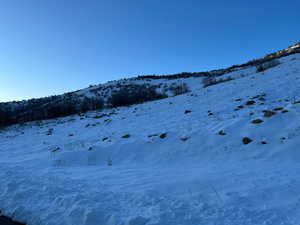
<point x="176" y="161"/>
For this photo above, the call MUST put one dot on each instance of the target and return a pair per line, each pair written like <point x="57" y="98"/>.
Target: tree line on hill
<point x="70" y="104"/>
<point x="46" y="108"/>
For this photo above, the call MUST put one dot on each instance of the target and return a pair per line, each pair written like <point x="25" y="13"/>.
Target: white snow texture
<point x="158" y="164"/>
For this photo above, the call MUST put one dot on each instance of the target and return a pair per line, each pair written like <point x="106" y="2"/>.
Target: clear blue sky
<point x="50" y="47"/>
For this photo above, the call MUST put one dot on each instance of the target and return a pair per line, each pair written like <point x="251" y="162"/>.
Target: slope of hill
<point x="137" y="90"/>
<point x="224" y="154"/>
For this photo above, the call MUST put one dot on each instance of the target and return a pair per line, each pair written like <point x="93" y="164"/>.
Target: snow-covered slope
<point x="137" y="90"/>
<point x="225" y="154"/>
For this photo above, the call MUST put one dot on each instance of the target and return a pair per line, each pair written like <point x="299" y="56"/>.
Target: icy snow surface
<point x="158" y="164"/>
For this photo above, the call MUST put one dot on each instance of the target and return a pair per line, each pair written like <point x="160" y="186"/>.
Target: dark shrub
<point x="134" y="94"/>
<point x="267" y="65"/>
<point x="208" y="81"/>
<point x="269" y="113"/>
<point x="179" y="89"/>
<point x="211" y="80"/>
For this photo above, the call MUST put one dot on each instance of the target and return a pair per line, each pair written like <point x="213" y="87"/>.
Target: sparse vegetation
<point x="268" y="113"/>
<point x="267" y="65"/>
<point x="179" y="89"/>
<point x="212" y="80"/>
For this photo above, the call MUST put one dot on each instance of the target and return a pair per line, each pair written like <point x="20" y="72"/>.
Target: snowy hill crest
<point x="123" y="92"/>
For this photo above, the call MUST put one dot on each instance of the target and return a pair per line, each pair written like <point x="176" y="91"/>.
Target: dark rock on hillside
<point x="222" y="132"/>
<point x="251" y="102"/>
<point x="163" y="135"/>
<point x="247" y="140"/>
<point x="126" y="136"/>
<point x="269" y="113"/>
<point x="257" y="121"/>
<point x="278" y="109"/>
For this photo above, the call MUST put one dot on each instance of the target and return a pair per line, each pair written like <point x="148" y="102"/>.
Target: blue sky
<point x="51" y="47"/>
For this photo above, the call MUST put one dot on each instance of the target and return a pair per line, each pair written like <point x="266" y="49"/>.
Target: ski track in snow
<point x="193" y="176"/>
